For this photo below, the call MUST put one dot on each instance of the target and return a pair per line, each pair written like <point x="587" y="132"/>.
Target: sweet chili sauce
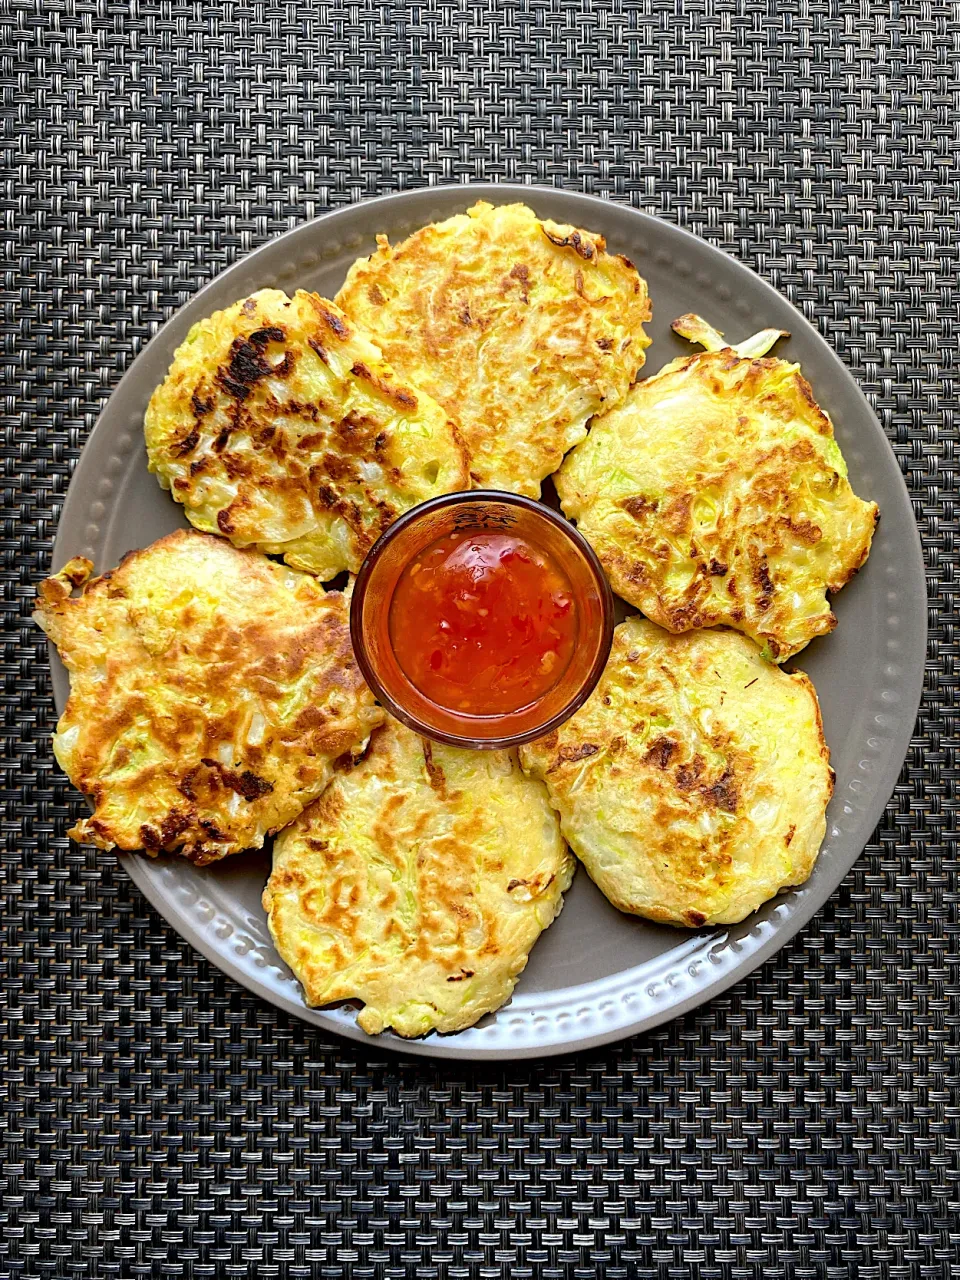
<point x="483" y="622"/>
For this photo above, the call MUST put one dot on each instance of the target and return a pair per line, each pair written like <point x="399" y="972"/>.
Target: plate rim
<point x="911" y="686"/>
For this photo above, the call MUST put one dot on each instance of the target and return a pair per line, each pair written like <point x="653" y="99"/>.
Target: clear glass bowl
<point x="485" y="509"/>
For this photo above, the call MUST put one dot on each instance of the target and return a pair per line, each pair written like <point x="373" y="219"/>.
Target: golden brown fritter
<point x="280" y="427"/>
<point x="716" y="493"/>
<point x="694" y="781"/>
<point x="211" y="692"/>
<point x="522" y="329"/>
<point x="417" y="884"/>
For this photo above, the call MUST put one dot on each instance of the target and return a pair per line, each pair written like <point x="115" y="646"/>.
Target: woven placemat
<point x="159" y="1121"/>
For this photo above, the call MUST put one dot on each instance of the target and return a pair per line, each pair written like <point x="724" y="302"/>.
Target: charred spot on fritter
<point x="459" y="977"/>
<point x="334" y="322"/>
<point x="200" y="404"/>
<point x="521" y="273"/>
<point x="188" y="443"/>
<point x="248" y="362"/>
<point x="434" y="771"/>
<point x="764" y="583"/>
<point x="400" y="395"/>
<point x="638" y="506"/>
<point x="245" y="783"/>
<point x="574" y="240"/>
<point x="688" y="775"/>
<point x="661" y="751"/>
<point x="724" y="793"/>
<point x="574" y="753"/>
<point x="150" y="838"/>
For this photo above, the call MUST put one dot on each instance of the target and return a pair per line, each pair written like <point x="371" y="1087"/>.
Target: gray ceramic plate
<point x="596" y="975"/>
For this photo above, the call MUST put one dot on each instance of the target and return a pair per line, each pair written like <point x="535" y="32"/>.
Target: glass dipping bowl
<point x="487" y="510"/>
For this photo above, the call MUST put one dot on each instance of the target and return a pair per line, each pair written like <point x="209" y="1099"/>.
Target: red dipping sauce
<point x="481" y="619"/>
<point x="483" y="622"/>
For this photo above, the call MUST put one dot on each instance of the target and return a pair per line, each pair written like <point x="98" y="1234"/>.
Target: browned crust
<point x="476" y="312"/>
<point x="767" y="539"/>
<point x="661" y="811"/>
<point x="174" y="678"/>
<point x="254" y="451"/>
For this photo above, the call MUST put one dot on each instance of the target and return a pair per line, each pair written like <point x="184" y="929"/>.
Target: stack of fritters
<point x="215" y="699"/>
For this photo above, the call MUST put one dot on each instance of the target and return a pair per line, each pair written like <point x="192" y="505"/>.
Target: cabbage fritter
<point x="694" y="781"/>
<point x="211" y="692"/>
<point x="280" y="426"/>
<point x="417" y="884"/>
<point x="716" y="493"/>
<point x="522" y="329"/>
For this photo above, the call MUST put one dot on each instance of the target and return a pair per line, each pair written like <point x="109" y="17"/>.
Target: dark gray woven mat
<point x="159" y="1121"/>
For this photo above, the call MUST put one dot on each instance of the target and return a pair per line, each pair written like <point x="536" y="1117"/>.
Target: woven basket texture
<point x="158" y="1121"/>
